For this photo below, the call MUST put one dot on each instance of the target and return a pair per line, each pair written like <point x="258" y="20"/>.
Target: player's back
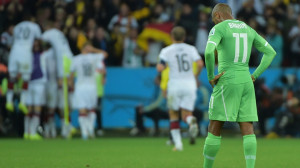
<point x="24" y="35"/>
<point x="51" y="64"/>
<point x="234" y="49"/>
<point x="58" y="41"/>
<point x="85" y="66"/>
<point x="180" y="58"/>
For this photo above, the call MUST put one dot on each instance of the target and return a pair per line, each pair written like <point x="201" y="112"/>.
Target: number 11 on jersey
<point x="237" y="37"/>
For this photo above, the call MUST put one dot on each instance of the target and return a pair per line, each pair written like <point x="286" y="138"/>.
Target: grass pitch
<point x="141" y="153"/>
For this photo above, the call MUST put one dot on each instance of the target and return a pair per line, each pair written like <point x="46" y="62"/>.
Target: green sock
<point x="211" y="148"/>
<point x="250" y="150"/>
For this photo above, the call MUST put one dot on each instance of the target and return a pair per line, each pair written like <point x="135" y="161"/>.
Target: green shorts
<point x="233" y="102"/>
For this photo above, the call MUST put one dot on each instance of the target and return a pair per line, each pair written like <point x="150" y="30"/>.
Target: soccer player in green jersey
<point x="233" y="97"/>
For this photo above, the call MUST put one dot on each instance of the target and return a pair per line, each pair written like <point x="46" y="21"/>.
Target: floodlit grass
<point x="140" y="153"/>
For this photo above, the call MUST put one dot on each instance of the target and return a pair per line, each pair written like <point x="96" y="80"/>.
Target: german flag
<point x="157" y="32"/>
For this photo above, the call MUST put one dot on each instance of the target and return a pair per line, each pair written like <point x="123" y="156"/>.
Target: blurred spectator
<point x="6" y="43"/>
<point x="14" y="11"/>
<point x="247" y="11"/>
<point x="159" y="15"/>
<point x="123" y="19"/>
<point x="275" y="40"/>
<point x="268" y="107"/>
<point x="187" y="20"/>
<point x="116" y="46"/>
<point x="60" y="18"/>
<point x="113" y="7"/>
<point x="90" y="29"/>
<point x="78" y="8"/>
<point x="288" y="120"/>
<point x="100" y="40"/>
<point x="173" y="9"/>
<point x="132" y="57"/>
<point x="99" y="13"/>
<point x="7" y="36"/>
<point x="294" y="36"/>
<point x="254" y="58"/>
<point x="203" y="29"/>
<point x="288" y="22"/>
<point x="72" y="38"/>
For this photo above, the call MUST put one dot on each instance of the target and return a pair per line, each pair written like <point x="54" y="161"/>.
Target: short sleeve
<point x="162" y="55"/>
<point x="195" y="54"/>
<point x="215" y="36"/>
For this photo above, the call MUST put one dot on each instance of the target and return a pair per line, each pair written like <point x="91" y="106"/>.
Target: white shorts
<point x="85" y="97"/>
<point x="52" y="94"/>
<point x="20" y="61"/>
<point x="181" y="96"/>
<point x="36" y="94"/>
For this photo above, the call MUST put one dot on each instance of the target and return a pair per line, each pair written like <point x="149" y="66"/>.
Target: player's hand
<point x="216" y="79"/>
<point x="253" y="79"/>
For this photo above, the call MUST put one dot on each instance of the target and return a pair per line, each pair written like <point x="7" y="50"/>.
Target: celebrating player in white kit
<point x="36" y="94"/>
<point x="63" y="57"/>
<point x="86" y="66"/>
<point x="51" y="93"/>
<point x="182" y="84"/>
<point x="20" y="60"/>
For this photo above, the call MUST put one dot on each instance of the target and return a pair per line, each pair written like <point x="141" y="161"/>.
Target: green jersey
<point x="233" y="40"/>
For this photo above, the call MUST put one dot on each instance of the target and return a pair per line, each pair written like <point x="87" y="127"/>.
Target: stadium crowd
<point x="125" y="30"/>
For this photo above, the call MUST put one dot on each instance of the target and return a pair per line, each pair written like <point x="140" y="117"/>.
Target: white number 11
<point x="237" y="46"/>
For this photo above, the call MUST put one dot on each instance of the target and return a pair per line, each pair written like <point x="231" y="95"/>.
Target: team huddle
<point x="53" y="72"/>
<point x="47" y="67"/>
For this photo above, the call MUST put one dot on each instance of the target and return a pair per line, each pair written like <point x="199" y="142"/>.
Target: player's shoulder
<point x="188" y="46"/>
<point x="167" y="48"/>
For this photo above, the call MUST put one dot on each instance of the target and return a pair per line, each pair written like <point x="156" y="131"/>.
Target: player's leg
<point x="99" y="117"/>
<point x="175" y="130"/>
<point x="173" y="105"/>
<point x="25" y="63"/>
<point x="51" y="122"/>
<point x="35" y="122"/>
<point x="92" y="121"/>
<point x="28" y="116"/>
<point x="51" y="103"/>
<point x="249" y="143"/>
<point x="187" y="105"/>
<point x="139" y="121"/>
<point x="212" y="142"/>
<point x="248" y="115"/>
<point x="64" y="119"/>
<point x="38" y="102"/>
<point x="13" y="72"/>
<point x="84" y="123"/>
<point x="191" y="120"/>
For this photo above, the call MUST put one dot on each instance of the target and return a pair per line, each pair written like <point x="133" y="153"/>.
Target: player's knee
<point x="246" y="128"/>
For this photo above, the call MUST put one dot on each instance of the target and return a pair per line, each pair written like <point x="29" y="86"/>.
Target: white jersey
<point x="85" y="66"/>
<point x="58" y="42"/>
<point x="51" y="65"/>
<point x="180" y="58"/>
<point x="24" y="35"/>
